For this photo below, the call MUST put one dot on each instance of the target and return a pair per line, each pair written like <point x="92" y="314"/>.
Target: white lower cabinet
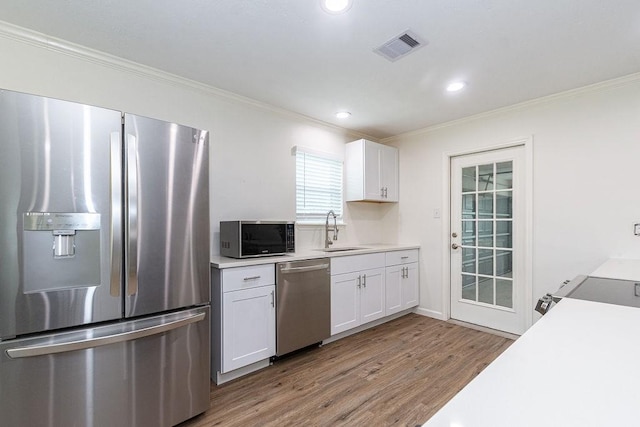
<point x="245" y="316"/>
<point x="249" y="330"/>
<point x="401" y="281"/>
<point x="357" y="291"/>
<point x="364" y="288"/>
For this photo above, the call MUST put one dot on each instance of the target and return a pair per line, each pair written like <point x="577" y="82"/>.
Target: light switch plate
<point x="436" y="213"/>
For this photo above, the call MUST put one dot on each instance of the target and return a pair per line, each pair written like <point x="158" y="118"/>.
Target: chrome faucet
<point x="328" y="242"/>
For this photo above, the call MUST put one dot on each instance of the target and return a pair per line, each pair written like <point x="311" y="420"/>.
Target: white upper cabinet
<point x="371" y="172"/>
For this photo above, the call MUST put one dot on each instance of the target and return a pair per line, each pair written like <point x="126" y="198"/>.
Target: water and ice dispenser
<point x="61" y="250"/>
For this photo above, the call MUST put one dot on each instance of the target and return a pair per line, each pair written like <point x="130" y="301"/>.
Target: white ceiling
<point x="291" y="54"/>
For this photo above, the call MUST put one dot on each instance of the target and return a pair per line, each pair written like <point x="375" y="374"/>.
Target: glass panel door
<point x="487" y="258"/>
<point x="487" y="239"/>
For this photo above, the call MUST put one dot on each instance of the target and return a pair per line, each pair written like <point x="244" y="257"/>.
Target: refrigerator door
<point x="145" y="372"/>
<point x="167" y="216"/>
<point x="60" y="170"/>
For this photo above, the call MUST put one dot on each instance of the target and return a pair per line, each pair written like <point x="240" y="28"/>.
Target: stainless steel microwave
<point x="246" y="239"/>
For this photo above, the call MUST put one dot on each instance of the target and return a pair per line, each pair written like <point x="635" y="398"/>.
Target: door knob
<point x="454" y="246"/>
<point x="454" y="234"/>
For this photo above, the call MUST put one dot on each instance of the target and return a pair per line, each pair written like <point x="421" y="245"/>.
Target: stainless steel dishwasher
<point x="303" y="293"/>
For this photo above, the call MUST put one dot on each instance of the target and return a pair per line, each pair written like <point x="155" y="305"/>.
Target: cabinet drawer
<point x="402" y="257"/>
<point x="347" y="264"/>
<point x="238" y="278"/>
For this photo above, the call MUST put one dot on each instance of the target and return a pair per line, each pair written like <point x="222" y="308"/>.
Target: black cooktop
<point x="611" y="291"/>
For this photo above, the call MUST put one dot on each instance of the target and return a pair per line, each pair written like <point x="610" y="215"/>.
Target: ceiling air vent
<point x="401" y="45"/>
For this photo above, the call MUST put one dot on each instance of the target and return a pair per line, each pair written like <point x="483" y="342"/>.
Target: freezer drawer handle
<point x="42" y="350"/>
<point x="300" y="269"/>
<point x="637" y="289"/>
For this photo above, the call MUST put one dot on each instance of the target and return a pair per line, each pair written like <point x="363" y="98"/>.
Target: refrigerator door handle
<point x="116" y="213"/>
<point x="42" y="350"/>
<point x="132" y="215"/>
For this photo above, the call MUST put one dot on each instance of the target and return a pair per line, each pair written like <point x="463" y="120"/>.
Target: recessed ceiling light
<point x="456" y="86"/>
<point x="335" y="6"/>
<point x="343" y="114"/>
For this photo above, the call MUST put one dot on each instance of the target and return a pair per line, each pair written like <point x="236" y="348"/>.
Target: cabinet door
<point x="249" y="327"/>
<point x="393" y="289"/>
<point x="372" y="173"/>
<point x="372" y="302"/>
<point x="389" y="173"/>
<point x="410" y="286"/>
<point x="345" y="302"/>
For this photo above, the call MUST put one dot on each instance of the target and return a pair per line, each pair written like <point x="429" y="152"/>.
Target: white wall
<point x="586" y="153"/>
<point x="586" y="183"/>
<point x="252" y="169"/>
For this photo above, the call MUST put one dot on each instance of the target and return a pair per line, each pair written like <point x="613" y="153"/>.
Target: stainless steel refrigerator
<point x="104" y="266"/>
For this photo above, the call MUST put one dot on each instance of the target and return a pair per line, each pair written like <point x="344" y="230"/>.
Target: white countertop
<point x="577" y="366"/>
<point x="615" y="268"/>
<point x="225" y="262"/>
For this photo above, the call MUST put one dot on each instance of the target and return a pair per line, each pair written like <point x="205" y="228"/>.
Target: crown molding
<point x="44" y="41"/>
<point x="592" y="88"/>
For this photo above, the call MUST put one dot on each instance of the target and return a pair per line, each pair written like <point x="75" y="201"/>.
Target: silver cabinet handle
<point x="273" y="299"/>
<point x="246" y="279"/>
<point x="41" y="350"/>
<point x="132" y="215"/>
<point x="385" y="192"/>
<point x="402" y="273"/>
<point x="382" y="192"/>
<point x="364" y="280"/>
<point x="116" y="217"/>
<point x="359" y="281"/>
<point x="404" y="257"/>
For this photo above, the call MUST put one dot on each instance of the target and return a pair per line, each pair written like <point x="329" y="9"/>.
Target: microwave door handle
<point x="116" y="213"/>
<point x="132" y="215"/>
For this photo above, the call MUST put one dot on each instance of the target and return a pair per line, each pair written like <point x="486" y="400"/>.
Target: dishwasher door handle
<point x="302" y="269"/>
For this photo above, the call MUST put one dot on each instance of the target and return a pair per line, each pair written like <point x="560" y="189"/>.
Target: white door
<point x="372" y="171"/>
<point x="487" y="241"/>
<point x="393" y="289"/>
<point x="389" y="173"/>
<point x="345" y="302"/>
<point x="249" y="327"/>
<point x="372" y="301"/>
<point x="410" y="286"/>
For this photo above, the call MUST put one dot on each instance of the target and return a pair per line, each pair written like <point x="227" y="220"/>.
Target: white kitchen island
<point x="577" y="366"/>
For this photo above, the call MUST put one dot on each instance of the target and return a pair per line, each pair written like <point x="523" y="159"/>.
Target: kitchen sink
<point x="342" y="249"/>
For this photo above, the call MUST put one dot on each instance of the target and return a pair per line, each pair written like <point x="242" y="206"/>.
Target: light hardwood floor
<point x="398" y="373"/>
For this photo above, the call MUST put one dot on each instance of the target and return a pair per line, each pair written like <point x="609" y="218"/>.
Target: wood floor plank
<point x="396" y="374"/>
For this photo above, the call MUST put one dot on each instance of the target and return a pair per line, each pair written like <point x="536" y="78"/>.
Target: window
<point x="318" y="186"/>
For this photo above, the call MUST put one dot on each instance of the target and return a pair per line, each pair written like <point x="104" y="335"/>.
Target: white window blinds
<point x="318" y="186"/>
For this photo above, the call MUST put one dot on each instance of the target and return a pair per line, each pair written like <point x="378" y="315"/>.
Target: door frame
<point x="527" y="143"/>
